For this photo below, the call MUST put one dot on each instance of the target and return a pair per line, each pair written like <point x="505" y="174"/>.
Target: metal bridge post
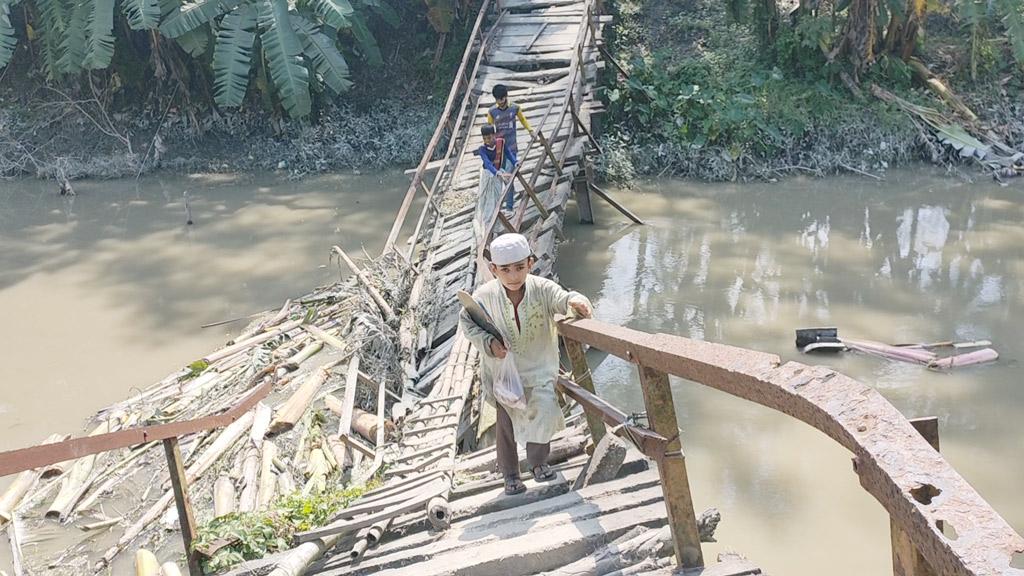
<point x="581" y="375"/>
<point x="180" y="486"/>
<point x="906" y="558"/>
<point x="661" y="413"/>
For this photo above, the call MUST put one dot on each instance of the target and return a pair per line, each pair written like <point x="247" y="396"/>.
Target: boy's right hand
<point x="498" y="349"/>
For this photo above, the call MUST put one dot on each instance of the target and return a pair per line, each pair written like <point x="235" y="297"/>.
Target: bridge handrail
<point x="895" y="464"/>
<point x="436" y="137"/>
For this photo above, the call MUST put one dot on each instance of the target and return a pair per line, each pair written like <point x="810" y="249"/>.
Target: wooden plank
<point x="661" y="413"/>
<point x="179" y="484"/>
<point x="505" y="58"/>
<point x="607" y="198"/>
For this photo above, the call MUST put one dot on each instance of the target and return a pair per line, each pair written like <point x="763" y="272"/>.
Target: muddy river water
<point x="917" y="258"/>
<point x="106" y="292"/>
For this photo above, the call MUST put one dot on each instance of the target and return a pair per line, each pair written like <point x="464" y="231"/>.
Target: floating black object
<point x="819" y="340"/>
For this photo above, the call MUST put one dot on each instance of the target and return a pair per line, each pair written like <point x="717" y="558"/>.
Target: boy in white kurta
<point x="523" y="308"/>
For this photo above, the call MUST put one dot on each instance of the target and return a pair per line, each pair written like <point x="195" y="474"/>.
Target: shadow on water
<point x="918" y="258"/>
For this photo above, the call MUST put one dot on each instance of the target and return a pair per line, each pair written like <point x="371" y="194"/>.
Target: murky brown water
<point x="920" y="257"/>
<point x="106" y="291"/>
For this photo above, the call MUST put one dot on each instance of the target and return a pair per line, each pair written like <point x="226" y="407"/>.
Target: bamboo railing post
<point x="180" y="486"/>
<point x="661" y="413"/>
<point x="906" y="558"/>
<point x="581" y="375"/>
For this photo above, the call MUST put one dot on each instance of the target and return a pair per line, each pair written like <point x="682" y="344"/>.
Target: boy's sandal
<point x="513" y="485"/>
<point x="543" y="473"/>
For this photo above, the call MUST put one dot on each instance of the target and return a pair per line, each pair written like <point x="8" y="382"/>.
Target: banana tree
<point x="296" y="41"/>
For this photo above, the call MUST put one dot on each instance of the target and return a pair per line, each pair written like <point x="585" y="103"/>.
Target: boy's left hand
<point x="581" y="309"/>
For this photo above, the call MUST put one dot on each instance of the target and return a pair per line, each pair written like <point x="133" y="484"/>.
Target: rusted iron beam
<point x="650" y="443"/>
<point x="894" y="463"/>
<point x="581" y="374"/>
<point x="906" y="560"/>
<point x="661" y="413"/>
<point x="14" y="461"/>
<point x="547" y="148"/>
<point x="186" y="520"/>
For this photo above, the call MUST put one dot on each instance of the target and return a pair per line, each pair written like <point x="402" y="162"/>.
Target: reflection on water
<point x="918" y="258"/>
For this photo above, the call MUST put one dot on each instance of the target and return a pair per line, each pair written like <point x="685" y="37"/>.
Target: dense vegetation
<point x="285" y="51"/>
<point x="716" y="89"/>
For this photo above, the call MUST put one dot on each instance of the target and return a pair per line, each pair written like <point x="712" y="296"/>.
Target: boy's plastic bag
<point x="508" y="386"/>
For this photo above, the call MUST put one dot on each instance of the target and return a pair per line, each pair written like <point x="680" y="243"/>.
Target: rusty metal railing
<point x="37" y="457"/>
<point x="941" y="525"/>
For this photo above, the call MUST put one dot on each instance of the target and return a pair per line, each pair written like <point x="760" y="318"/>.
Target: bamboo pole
<point x="260" y="424"/>
<point x="389" y="314"/>
<point x="317" y="469"/>
<point x="170" y="569"/>
<point x="77" y="481"/>
<point x="292" y="410"/>
<point x="250" y="480"/>
<point x="146" y="563"/>
<point x="268" y="478"/>
<point x="223" y="497"/>
<point x="90" y="500"/>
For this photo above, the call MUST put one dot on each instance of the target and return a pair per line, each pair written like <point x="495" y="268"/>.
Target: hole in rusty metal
<point x="925" y="493"/>
<point x="947" y="529"/>
<point x="1017" y="560"/>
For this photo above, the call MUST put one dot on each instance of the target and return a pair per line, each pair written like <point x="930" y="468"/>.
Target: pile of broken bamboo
<point x="323" y="425"/>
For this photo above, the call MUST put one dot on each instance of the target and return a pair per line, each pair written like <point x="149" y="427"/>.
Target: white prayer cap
<point x="509" y="248"/>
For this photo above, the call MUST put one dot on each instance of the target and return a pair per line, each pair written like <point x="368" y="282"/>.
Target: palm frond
<point x="99" y="41"/>
<point x="193" y="15"/>
<point x="336" y="13"/>
<point x="51" y="24"/>
<point x="384" y="10"/>
<point x="232" y="56"/>
<point x="364" y="38"/>
<point x="195" y="41"/>
<point x="1013" y="20"/>
<point x="8" y="37"/>
<point x="142" y="14"/>
<point x="284" y="56"/>
<point x="329" y="64"/>
<point x="73" y="45"/>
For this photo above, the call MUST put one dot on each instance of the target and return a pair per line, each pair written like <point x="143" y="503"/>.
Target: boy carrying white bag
<point x="519" y="364"/>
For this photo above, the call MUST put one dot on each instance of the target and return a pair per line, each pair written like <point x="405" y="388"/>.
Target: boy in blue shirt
<point x="498" y="160"/>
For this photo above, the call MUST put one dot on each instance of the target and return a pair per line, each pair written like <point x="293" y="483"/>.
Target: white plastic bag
<point x="508" y="386"/>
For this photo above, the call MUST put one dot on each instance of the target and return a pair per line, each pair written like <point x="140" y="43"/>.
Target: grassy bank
<point x="706" y="98"/>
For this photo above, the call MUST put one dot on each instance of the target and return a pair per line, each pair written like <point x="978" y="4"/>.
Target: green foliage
<point x="283" y="53"/>
<point x="8" y="37"/>
<point x="53" y="18"/>
<point x="232" y="56"/>
<point x="193" y="15"/>
<point x="739" y="107"/>
<point x="335" y="13"/>
<point x="73" y="46"/>
<point x="141" y="14"/>
<point x="261" y="533"/>
<point x="329" y="64"/>
<point x="99" y="42"/>
<point x="196" y="368"/>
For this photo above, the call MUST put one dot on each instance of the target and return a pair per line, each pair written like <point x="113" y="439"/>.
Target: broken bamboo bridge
<point x="369" y="382"/>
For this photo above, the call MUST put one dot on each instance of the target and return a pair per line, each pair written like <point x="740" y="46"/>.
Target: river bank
<point x="700" y="101"/>
<point x="700" y="95"/>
